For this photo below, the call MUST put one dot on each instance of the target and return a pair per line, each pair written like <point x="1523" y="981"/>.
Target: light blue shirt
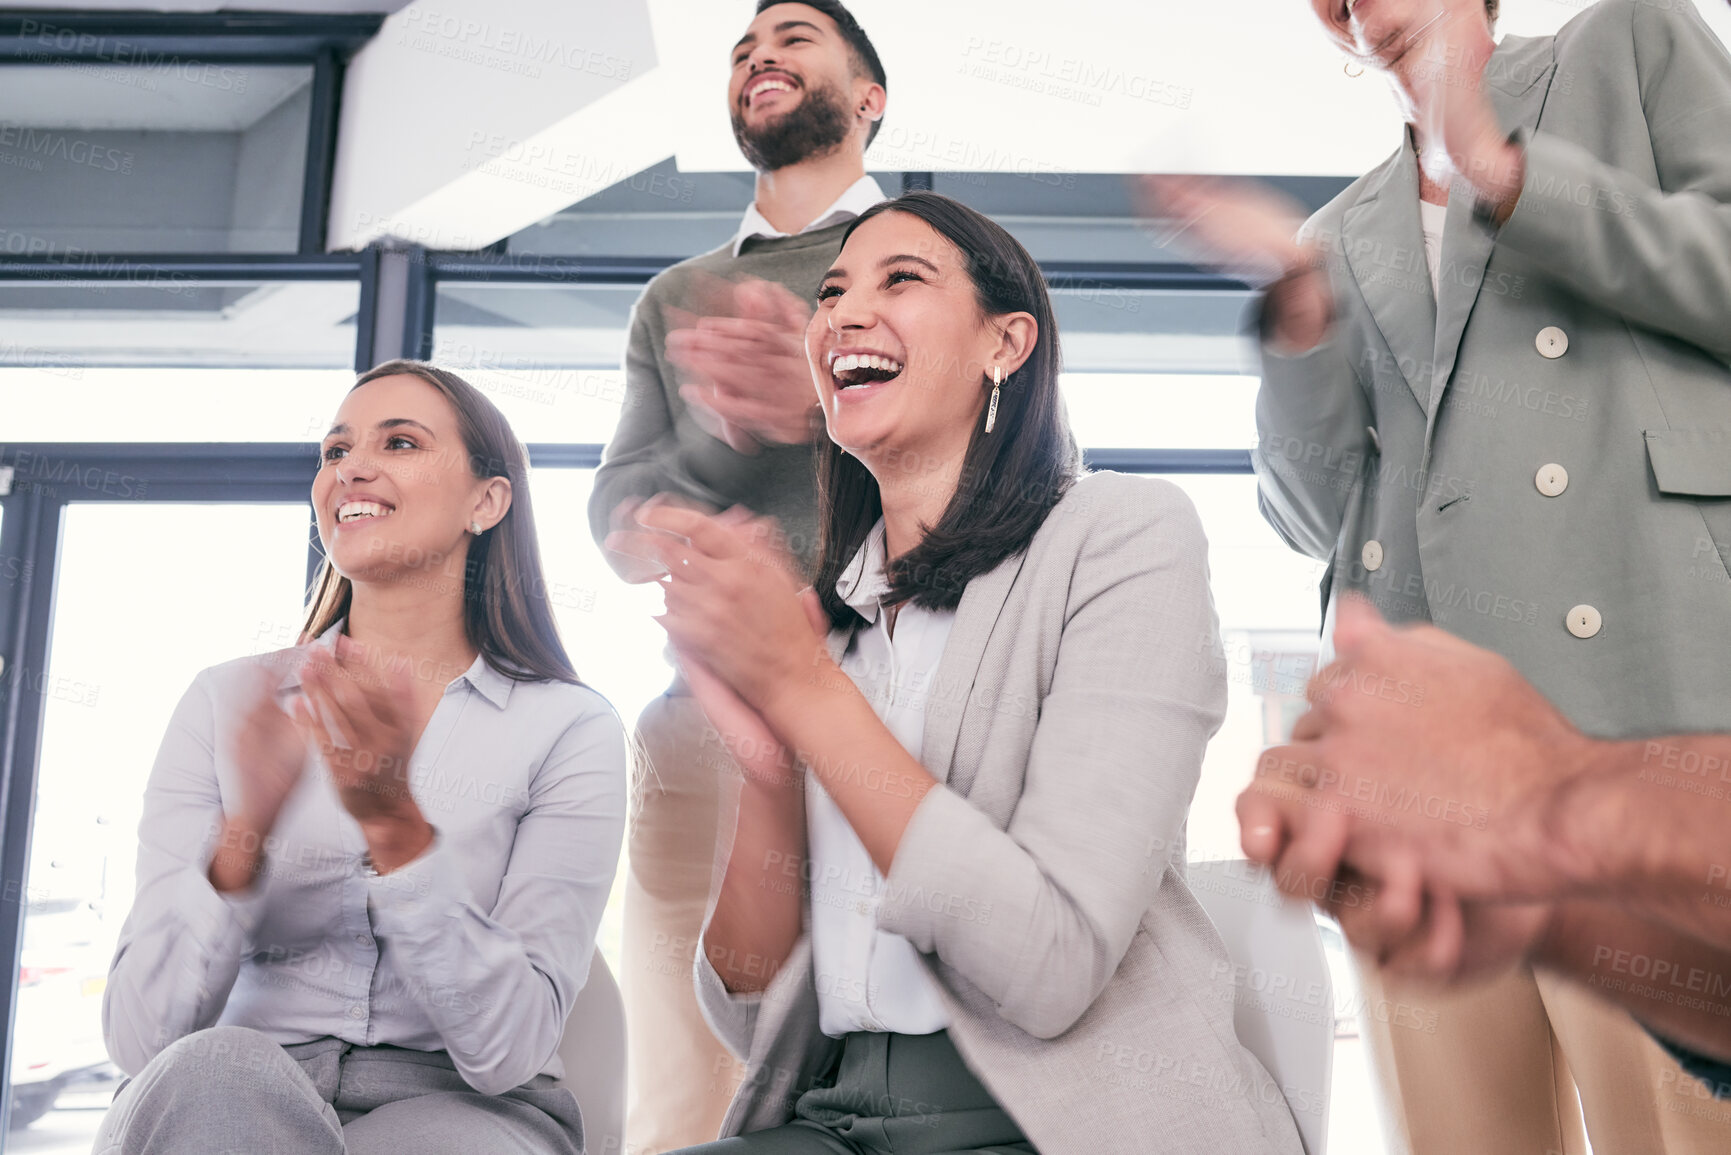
<point x="477" y="948"/>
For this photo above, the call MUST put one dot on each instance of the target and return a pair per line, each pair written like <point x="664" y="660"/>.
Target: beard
<point x="816" y="127"/>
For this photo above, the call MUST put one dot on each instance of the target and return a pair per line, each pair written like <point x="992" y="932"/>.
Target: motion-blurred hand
<point x="732" y="595"/>
<point x="268" y="749"/>
<point x="1240" y="226"/>
<point x="746" y="358"/>
<point x="366" y="730"/>
<point x="1458" y="129"/>
<point x="639" y="568"/>
<point x="1248" y="230"/>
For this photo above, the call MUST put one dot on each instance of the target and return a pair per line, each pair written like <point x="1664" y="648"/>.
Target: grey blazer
<point x="1042" y="880"/>
<point x="1540" y="461"/>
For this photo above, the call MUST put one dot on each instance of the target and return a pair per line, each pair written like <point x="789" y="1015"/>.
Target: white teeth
<point x="771" y="86"/>
<point x="355" y="510"/>
<point x="855" y="361"/>
<point x="865" y="361"/>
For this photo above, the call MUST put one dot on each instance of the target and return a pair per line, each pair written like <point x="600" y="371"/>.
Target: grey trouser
<point x="900" y="1094"/>
<point x="231" y="1090"/>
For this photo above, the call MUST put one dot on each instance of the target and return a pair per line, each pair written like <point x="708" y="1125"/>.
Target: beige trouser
<point x="1493" y="1071"/>
<point x="681" y="1078"/>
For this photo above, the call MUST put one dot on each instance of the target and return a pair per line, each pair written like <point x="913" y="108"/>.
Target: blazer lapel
<point x="1517" y="78"/>
<point x="976" y="617"/>
<point x="1384" y="246"/>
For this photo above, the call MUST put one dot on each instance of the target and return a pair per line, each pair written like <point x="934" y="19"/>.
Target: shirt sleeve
<point x="182" y="943"/>
<point x="502" y="981"/>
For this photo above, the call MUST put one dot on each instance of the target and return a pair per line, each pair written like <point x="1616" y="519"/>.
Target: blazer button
<point x="1584" y="621"/>
<point x="1552" y="480"/>
<point x="1371" y="555"/>
<point x="1552" y="342"/>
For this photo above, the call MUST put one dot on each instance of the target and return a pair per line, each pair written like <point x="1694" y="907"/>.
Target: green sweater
<point x="659" y="447"/>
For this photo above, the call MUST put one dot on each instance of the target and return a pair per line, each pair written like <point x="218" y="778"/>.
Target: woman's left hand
<point x="361" y="720"/>
<point x="732" y="598"/>
<point x="1456" y="121"/>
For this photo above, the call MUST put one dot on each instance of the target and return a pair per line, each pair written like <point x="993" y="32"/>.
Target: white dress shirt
<point x="1431" y="220"/>
<point x="860" y="196"/>
<point x="476" y="948"/>
<point x="867" y="979"/>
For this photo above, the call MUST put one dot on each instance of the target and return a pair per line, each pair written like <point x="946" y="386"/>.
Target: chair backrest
<point x="1284" y="1003"/>
<point x="593" y="1050"/>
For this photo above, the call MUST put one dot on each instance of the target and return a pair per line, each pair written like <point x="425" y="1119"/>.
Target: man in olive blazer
<point x="1538" y="458"/>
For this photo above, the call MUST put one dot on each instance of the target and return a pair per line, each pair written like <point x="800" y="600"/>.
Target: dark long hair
<point x="1010" y="479"/>
<point x="505" y="611"/>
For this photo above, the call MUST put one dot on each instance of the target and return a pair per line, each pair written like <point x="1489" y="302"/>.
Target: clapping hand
<point x="740" y="560"/>
<point x="750" y="380"/>
<point x="361" y="716"/>
<point x="1248" y="230"/>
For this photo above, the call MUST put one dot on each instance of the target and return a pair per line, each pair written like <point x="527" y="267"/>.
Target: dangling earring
<point x="475" y="528"/>
<point x="992" y="410"/>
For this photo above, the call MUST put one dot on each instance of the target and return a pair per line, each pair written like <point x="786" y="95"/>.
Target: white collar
<point x="859" y="196"/>
<point x="863" y="582"/>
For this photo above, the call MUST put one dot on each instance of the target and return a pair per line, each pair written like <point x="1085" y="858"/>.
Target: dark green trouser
<point x="889" y="1095"/>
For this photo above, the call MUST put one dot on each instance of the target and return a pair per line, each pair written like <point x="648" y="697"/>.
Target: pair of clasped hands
<point x="361" y="716"/>
<point x="736" y="614"/>
<point x="1412" y="800"/>
<point x="743" y="624"/>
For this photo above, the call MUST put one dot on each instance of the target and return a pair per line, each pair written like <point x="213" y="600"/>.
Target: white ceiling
<point x="1229" y="86"/>
<point x="1026" y="86"/>
<point x="330" y="6"/>
<point x="163" y="98"/>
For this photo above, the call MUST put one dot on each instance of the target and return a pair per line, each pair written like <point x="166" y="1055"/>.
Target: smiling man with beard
<point x="720" y="412"/>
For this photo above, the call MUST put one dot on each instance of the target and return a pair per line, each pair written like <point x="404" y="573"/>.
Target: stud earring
<point x="475" y="528"/>
<point x="992" y="409"/>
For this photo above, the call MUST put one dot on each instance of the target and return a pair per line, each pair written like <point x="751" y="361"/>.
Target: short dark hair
<point x="1011" y="478"/>
<point x="865" y="57"/>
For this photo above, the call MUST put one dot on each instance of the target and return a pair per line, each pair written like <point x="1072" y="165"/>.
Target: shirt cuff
<point x="731" y="1015"/>
<point x="219" y="921"/>
<point x="413" y="901"/>
<point x="1485" y="209"/>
